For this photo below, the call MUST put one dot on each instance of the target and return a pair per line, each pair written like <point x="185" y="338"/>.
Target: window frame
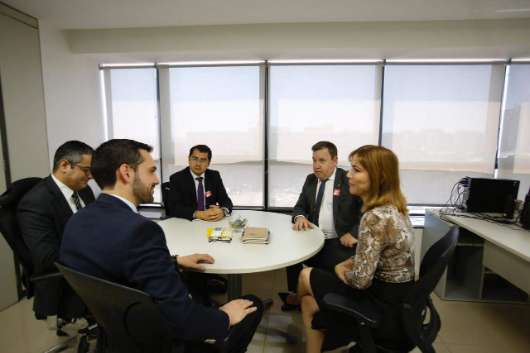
<point x="265" y="66"/>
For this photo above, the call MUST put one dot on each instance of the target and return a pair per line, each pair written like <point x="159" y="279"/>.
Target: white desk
<point x="512" y="239"/>
<point x="503" y="249"/>
<point x="286" y="247"/>
<point x="506" y="248"/>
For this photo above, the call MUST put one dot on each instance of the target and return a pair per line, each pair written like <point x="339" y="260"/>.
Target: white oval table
<point x="286" y="246"/>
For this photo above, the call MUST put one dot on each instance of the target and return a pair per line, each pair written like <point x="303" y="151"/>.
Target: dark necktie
<point x="200" y="194"/>
<point x="77" y="202"/>
<point x="318" y="202"/>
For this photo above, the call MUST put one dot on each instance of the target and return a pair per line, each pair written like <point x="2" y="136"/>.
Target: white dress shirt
<point x="197" y="185"/>
<point x="326" y="221"/>
<point x="226" y="211"/>
<point x="67" y="193"/>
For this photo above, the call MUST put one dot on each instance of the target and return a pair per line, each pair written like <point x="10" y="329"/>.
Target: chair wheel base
<point x="83" y="346"/>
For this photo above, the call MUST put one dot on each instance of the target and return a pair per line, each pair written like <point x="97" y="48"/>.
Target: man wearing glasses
<point x="197" y="192"/>
<point x="42" y="214"/>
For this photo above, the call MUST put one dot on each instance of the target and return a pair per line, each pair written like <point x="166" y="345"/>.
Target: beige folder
<point x="255" y="235"/>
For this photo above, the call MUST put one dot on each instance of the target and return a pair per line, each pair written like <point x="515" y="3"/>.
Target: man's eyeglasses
<point x="200" y="160"/>
<point x="85" y="169"/>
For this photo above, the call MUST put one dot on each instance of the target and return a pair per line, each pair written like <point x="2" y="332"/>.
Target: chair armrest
<point x="363" y="311"/>
<point x="46" y="276"/>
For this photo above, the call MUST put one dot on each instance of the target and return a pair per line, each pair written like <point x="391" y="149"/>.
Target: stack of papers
<point x="255" y="235"/>
<point x="219" y="234"/>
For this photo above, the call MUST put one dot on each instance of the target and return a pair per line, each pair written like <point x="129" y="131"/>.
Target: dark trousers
<point x="330" y="255"/>
<point x="197" y="284"/>
<point x="239" y="337"/>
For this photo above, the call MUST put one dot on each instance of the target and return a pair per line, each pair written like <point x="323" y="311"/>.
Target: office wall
<point x="23" y="99"/>
<point x="490" y="38"/>
<point x="8" y="294"/>
<point x="21" y="71"/>
<point x="71" y="85"/>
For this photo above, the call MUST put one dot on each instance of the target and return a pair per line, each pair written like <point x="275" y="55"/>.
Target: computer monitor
<point x="525" y="214"/>
<point x="485" y="195"/>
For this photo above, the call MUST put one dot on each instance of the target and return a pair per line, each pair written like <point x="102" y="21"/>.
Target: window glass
<point x="134" y="105"/>
<point x="220" y="107"/>
<point x="442" y="122"/>
<point x="309" y="103"/>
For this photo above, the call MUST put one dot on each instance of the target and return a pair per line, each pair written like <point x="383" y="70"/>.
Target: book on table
<point x="255" y="235"/>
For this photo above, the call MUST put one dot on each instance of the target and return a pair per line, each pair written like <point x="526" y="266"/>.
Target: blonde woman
<point x="381" y="270"/>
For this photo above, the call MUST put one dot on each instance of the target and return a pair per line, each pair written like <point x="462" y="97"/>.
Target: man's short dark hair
<point x="71" y="151"/>
<point x="202" y="149"/>
<point x="332" y="149"/>
<point x="111" y="154"/>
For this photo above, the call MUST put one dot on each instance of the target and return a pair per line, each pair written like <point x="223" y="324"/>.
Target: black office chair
<point x="130" y="319"/>
<point x="10" y="229"/>
<point x="166" y="189"/>
<point x="419" y="318"/>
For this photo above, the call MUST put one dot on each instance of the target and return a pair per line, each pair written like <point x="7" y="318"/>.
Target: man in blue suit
<point x="110" y="240"/>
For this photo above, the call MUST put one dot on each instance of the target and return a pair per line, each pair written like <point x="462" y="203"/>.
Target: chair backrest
<point x="10" y="229"/>
<point x="130" y="318"/>
<point x="436" y="259"/>
<point x="417" y="306"/>
<point x="166" y="189"/>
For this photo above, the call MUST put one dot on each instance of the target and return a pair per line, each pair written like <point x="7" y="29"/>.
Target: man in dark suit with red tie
<point x="197" y="192"/>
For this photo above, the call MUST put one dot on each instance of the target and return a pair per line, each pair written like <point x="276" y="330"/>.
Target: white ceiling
<point x="87" y="14"/>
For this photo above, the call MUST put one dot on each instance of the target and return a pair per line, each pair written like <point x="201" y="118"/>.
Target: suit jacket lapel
<point x="86" y="195"/>
<point x="337" y="185"/>
<point x="312" y="192"/>
<point x="64" y="212"/>
<point x="208" y="186"/>
<point x="191" y="186"/>
<point x="207" y="179"/>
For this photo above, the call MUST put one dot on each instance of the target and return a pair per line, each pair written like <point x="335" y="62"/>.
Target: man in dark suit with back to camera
<point x="197" y="192"/>
<point x="325" y="202"/>
<point x="42" y="214"/>
<point x="110" y="240"/>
